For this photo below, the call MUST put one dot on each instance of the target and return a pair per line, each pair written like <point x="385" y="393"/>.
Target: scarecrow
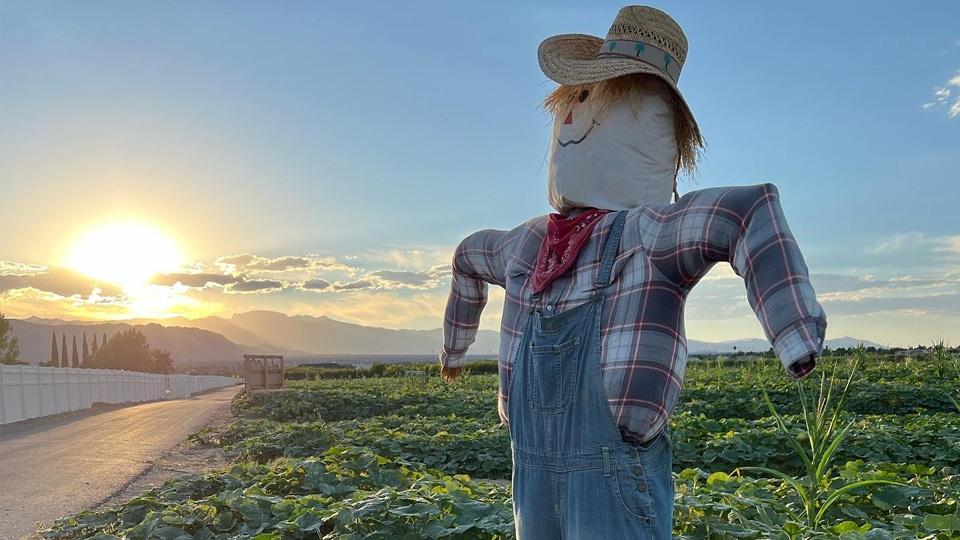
<point x="593" y="347"/>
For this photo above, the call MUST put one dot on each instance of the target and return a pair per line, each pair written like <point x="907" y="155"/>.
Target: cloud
<point x="354" y="285"/>
<point x="281" y="264"/>
<point x="247" y="263"/>
<point x="934" y="304"/>
<point x="197" y="280"/>
<point x="31" y="302"/>
<point x="384" y="280"/>
<point x="915" y="248"/>
<point x="825" y="283"/>
<point x="12" y="268"/>
<point x="405" y="259"/>
<point x="391" y="269"/>
<point x="60" y="281"/>
<point x="249" y="273"/>
<point x="315" y="285"/>
<point x="947" y="95"/>
<point x="721" y="294"/>
<point x="254" y="286"/>
<point x="841" y="294"/>
<point x="393" y="279"/>
<point x="245" y="273"/>
<point x="236" y="260"/>
<point x="896" y="242"/>
<point x="442" y="270"/>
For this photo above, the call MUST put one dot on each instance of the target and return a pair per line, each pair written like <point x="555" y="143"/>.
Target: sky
<point x="325" y="158"/>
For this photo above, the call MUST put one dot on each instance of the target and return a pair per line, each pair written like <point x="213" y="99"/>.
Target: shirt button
<point x="549" y="308"/>
<point x="638" y="471"/>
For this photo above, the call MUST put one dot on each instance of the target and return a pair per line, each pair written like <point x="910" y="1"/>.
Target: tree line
<point x="79" y="358"/>
<point x="127" y="350"/>
<point x="9" y="345"/>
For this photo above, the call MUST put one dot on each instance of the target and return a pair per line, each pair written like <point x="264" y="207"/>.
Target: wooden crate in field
<point x="262" y="371"/>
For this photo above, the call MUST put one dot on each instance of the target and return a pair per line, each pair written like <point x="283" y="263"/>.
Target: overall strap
<point x="610" y="246"/>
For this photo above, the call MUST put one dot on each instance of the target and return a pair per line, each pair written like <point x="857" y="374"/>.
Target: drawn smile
<point x="580" y="140"/>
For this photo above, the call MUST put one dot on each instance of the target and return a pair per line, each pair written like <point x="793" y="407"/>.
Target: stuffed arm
<point x="477" y="261"/>
<point x="746" y="227"/>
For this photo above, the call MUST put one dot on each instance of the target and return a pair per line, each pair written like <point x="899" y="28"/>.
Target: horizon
<point x="264" y="343"/>
<point x="196" y="162"/>
<point x="171" y="323"/>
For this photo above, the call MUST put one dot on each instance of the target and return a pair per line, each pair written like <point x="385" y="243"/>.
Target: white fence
<point x="31" y="391"/>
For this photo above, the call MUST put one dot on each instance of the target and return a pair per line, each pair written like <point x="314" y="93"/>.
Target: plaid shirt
<point x="665" y="250"/>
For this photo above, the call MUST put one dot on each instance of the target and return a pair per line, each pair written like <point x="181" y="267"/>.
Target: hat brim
<point x="569" y="59"/>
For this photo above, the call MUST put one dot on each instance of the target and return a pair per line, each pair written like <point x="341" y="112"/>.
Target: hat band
<point x="644" y="52"/>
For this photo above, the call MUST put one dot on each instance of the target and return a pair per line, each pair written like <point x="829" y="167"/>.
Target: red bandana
<point x="565" y="237"/>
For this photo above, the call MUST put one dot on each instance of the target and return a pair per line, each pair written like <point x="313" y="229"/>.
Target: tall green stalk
<point x="821" y="418"/>
<point x="944" y="362"/>
<point x="941" y="359"/>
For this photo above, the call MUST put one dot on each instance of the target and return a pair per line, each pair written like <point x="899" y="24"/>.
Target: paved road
<point x="60" y="467"/>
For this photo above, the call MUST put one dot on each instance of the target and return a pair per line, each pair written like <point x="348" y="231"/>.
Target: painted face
<point x="622" y="159"/>
<point x="576" y="128"/>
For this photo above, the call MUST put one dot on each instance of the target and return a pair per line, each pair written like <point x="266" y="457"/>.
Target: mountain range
<point x="219" y="340"/>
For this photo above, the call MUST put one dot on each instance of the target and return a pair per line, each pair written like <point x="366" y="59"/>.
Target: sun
<point x="125" y="254"/>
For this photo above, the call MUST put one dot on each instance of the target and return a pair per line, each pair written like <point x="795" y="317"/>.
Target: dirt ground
<point x="60" y="465"/>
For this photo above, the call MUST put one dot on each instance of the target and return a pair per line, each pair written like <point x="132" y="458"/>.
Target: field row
<point x="333" y="400"/>
<point x="409" y="457"/>
<point x="353" y="493"/>
<point x="481" y="448"/>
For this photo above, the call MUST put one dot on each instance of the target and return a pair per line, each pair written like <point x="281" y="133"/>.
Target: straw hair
<point x="607" y="92"/>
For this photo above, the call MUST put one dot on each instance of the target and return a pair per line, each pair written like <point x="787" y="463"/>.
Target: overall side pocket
<point x="632" y="489"/>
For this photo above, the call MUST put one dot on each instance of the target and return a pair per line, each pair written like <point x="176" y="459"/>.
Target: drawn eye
<point x="583" y="95"/>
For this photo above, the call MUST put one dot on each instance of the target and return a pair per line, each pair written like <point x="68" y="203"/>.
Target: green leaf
<point x="949" y="522"/>
<point x="889" y="497"/>
<point x="718" y="477"/>
<point x="783" y="476"/>
<point x="835" y="495"/>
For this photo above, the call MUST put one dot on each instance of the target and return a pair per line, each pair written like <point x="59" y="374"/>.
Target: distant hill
<point x="218" y="340"/>
<point x="225" y="327"/>
<point x="189" y="346"/>
<point x="325" y="336"/>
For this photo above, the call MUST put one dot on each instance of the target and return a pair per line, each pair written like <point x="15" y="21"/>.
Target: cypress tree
<point x="9" y="344"/>
<point x="86" y="350"/>
<point x="76" y="353"/>
<point x="64" y="359"/>
<point x="104" y="342"/>
<point x="54" y="354"/>
<point x="94" y="347"/>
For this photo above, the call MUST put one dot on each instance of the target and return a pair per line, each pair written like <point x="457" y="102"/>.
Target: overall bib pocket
<point x="554" y="374"/>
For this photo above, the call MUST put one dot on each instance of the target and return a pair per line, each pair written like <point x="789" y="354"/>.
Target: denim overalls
<point x="573" y="475"/>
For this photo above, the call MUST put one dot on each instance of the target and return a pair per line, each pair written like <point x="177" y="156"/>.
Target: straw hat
<point x="641" y="40"/>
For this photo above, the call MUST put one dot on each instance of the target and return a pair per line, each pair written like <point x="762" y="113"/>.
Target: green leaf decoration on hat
<point x="640" y="47"/>
<point x="613" y="45"/>
<point x="666" y="60"/>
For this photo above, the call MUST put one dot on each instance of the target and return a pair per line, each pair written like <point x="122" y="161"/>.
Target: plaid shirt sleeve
<point x="478" y="260"/>
<point x="745" y="226"/>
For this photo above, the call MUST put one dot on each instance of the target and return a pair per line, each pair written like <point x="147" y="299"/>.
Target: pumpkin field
<point x="868" y="446"/>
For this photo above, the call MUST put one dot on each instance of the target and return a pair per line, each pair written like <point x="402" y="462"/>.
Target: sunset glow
<point x="125" y="254"/>
<point x="188" y="173"/>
